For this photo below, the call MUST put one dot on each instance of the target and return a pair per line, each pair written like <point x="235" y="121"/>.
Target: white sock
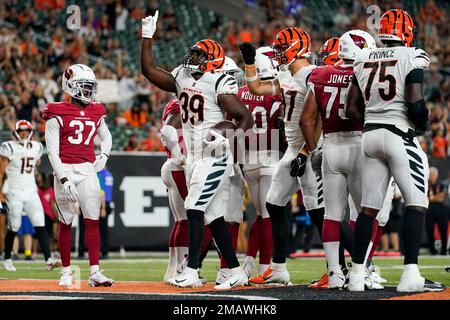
<point x="263" y="268"/>
<point x="172" y="257"/>
<point x="279" y="266"/>
<point x="191" y="271"/>
<point x="413" y="268"/>
<point x="236" y="270"/>
<point x="332" y="253"/>
<point x="65" y="269"/>
<point x="94" y="268"/>
<point x="358" y="267"/>
<point x="181" y="253"/>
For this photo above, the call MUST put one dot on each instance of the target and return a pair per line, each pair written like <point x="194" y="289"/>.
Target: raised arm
<point x="159" y="77"/>
<point x="255" y="85"/>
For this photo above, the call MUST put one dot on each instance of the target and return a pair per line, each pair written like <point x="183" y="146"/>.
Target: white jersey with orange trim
<point x="381" y="75"/>
<point x="22" y="162"/>
<point x="294" y="89"/>
<point x="199" y="106"/>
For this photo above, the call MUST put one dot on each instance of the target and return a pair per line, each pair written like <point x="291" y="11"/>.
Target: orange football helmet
<point x="204" y="56"/>
<point x="328" y="54"/>
<point x="290" y="44"/>
<point x="396" y="25"/>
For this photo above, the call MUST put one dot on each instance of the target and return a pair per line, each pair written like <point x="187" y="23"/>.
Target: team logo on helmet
<point x="359" y="41"/>
<point x="68" y="74"/>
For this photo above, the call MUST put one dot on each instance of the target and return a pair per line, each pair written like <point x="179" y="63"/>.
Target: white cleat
<point x="237" y="278"/>
<point x="222" y="275"/>
<point x="8" y="265"/>
<point x="272" y="276"/>
<point x="52" y="263"/>
<point x="98" y="279"/>
<point x="249" y="266"/>
<point x="66" y="279"/>
<point x="187" y="279"/>
<point x="356" y="280"/>
<point x="375" y="276"/>
<point x="370" y="283"/>
<point x="336" y="280"/>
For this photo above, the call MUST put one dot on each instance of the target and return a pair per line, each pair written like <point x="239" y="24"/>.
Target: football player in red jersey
<point x="261" y="157"/>
<point x="342" y="158"/>
<point x="70" y="131"/>
<point x="172" y="174"/>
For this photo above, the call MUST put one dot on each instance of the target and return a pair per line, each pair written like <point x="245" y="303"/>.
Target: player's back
<point x="294" y="91"/>
<point x="22" y="163"/>
<point x="78" y="129"/>
<point x="330" y="84"/>
<point x="381" y="75"/>
<point x="199" y="104"/>
<point x="265" y="111"/>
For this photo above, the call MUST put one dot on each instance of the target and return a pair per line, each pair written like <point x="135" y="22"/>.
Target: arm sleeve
<point x="419" y="59"/>
<point x="52" y="141"/>
<point x="105" y="136"/>
<point x="169" y="138"/>
<point x="226" y="84"/>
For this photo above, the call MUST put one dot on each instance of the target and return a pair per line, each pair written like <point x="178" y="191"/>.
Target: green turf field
<point x="152" y="268"/>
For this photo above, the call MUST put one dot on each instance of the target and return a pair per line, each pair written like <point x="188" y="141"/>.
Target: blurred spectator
<point x="439" y="145"/>
<point x="303" y="228"/>
<point x="152" y="142"/>
<point x="135" y="117"/>
<point x="132" y="144"/>
<point x="437" y="213"/>
<point x="341" y="19"/>
<point x="26" y="232"/>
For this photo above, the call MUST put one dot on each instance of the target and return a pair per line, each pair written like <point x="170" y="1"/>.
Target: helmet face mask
<point x="23" y="131"/>
<point x="206" y="55"/>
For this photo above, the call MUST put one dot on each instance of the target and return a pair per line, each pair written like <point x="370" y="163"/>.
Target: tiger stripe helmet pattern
<point x="205" y="56"/>
<point x="290" y="44"/>
<point x="396" y="25"/>
<point x="328" y="54"/>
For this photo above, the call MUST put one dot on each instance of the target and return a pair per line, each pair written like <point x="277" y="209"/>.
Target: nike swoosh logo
<point x="180" y="281"/>
<point x="268" y="278"/>
<point x="232" y="284"/>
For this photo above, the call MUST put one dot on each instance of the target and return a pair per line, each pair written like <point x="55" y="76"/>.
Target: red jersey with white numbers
<point x="78" y="128"/>
<point x="330" y="85"/>
<point x="173" y="107"/>
<point x="265" y="111"/>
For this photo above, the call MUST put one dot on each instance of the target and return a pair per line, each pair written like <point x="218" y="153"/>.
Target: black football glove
<point x="316" y="162"/>
<point x="248" y="52"/>
<point x="298" y="165"/>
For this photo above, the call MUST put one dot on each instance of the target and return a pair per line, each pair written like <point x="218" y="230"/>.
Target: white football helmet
<point x="79" y="82"/>
<point x="230" y="67"/>
<point x="352" y="42"/>
<point x="23" y="125"/>
<point x="264" y="64"/>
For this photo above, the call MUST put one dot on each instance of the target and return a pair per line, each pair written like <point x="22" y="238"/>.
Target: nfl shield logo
<point x="82" y="113"/>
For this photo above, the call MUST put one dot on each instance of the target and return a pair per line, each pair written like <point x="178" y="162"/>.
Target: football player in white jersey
<point x="388" y="82"/>
<point x="205" y="96"/>
<point x="292" y="47"/>
<point x="19" y="158"/>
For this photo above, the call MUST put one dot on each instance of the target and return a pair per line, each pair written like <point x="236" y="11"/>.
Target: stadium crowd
<point x="31" y="64"/>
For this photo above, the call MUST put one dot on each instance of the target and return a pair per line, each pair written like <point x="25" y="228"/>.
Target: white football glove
<point x="100" y="162"/>
<point x="70" y="190"/>
<point x="149" y="25"/>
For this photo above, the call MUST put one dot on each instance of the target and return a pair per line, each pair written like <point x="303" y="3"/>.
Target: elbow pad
<point x="418" y="115"/>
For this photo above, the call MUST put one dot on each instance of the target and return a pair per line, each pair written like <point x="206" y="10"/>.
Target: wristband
<point x="250" y="79"/>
